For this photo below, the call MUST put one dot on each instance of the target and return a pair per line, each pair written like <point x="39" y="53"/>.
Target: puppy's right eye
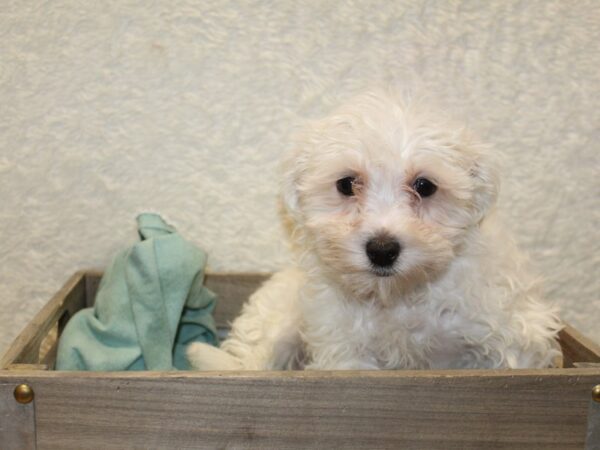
<point x="345" y="186"/>
<point x="424" y="187"/>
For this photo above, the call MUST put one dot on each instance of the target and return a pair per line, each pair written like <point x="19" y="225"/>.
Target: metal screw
<point x="23" y="394"/>
<point x="596" y="393"/>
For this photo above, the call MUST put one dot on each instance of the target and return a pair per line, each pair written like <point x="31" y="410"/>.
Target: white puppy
<point x="401" y="264"/>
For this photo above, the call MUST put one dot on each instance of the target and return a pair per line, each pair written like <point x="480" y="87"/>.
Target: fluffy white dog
<point x="401" y="263"/>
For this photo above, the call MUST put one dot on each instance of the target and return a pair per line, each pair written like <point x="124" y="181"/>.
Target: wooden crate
<point x="451" y="409"/>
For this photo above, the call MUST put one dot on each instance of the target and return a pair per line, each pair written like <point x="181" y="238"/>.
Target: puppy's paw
<point x="206" y="357"/>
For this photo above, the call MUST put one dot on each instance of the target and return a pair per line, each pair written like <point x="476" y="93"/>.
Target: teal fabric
<point x="151" y="303"/>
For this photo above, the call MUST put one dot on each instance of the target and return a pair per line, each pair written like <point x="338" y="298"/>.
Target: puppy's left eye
<point x="424" y="187"/>
<point x="345" y="186"/>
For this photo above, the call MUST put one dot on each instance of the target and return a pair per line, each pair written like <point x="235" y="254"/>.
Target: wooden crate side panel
<point x="409" y="410"/>
<point x="233" y="291"/>
<point x="25" y="349"/>
<point x="92" y="283"/>
<point x="577" y="348"/>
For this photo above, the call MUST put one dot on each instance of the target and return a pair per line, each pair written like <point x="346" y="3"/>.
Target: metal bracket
<point x="17" y="420"/>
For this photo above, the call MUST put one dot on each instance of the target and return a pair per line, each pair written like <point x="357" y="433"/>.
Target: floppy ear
<point x="289" y="186"/>
<point x="293" y="167"/>
<point x="485" y="172"/>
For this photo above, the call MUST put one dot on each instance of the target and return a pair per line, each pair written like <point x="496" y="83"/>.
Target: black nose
<point x="383" y="251"/>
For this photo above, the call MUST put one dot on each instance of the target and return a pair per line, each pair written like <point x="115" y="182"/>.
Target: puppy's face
<point x="384" y="195"/>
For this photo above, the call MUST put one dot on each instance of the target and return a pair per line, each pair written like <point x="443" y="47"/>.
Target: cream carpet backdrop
<point x="183" y="107"/>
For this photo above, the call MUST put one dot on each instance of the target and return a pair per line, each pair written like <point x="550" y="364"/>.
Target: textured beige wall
<point x="111" y="108"/>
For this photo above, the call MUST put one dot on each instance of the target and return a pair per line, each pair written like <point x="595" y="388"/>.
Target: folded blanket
<point x="151" y="303"/>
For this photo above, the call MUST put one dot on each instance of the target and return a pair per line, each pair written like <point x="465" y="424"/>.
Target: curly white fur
<point x="458" y="295"/>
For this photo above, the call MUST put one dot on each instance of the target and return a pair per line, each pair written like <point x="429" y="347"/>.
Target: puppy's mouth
<point x="382" y="271"/>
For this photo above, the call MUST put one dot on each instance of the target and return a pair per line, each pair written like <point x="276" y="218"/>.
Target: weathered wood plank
<point x="23" y="367"/>
<point x="25" y="349"/>
<point x="577" y="348"/>
<point x="92" y="283"/>
<point x="285" y="410"/>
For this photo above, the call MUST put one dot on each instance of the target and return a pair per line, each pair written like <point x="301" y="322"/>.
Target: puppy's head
<point x="383" y="194"/>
